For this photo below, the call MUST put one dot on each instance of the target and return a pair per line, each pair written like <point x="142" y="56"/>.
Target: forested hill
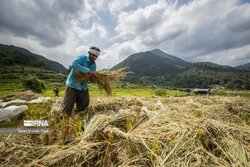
<point x="16" y="56"/>
<point x="160" y="68"/>
<point x="244" y="66"/>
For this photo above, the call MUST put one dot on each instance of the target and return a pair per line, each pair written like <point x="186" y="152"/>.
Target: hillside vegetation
<point x="18" y="65"/>
<point x="159" y="68"/>
<point x="12" y="56"/>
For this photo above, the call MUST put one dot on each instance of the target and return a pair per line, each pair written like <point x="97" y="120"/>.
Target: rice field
<point x="136" y="131"/>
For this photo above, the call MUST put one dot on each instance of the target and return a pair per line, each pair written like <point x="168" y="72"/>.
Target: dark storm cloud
<point x="47" y="21"/>
<point x="209" y="35"/>
<point x="216" y="31"/>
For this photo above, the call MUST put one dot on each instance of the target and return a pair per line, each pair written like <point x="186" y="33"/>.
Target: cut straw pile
<point x="103" y="79"/>
<point x="140" y="131"/>
<point x="27" y="95"/>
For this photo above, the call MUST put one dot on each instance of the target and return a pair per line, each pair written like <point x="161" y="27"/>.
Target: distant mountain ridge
<point x="244" y="66"/>
<point x="13" y="55"/>
<point x="152" y="63"/>
<point x="171" y="59"/>
<point x="158" y="67"/>
<point x="150" y="67"/>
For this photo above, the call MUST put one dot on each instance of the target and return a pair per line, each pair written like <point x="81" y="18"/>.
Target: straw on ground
<point x="141" y="131"/>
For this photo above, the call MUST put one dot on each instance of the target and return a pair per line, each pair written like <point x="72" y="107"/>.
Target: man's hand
<point x="91" y="73"/>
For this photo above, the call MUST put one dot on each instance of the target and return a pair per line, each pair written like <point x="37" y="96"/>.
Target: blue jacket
<point x="81" y="63"/>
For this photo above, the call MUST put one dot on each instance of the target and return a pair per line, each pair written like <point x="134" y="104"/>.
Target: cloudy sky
<point x="194" y="30"/>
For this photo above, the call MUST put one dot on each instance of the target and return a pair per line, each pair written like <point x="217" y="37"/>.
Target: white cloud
<point x="118" y="5"/>
<point x="58" y="34"/>
<point x="209" y="30"/>
<point x="63" y="54"/>
<point x="141" y="20"/>
<point x="197" y="29"/>
<point x="233" y="57"/>
<point x="99" y="5"/>
<point x="118" y="52"/>
<point x="96" y="29"/>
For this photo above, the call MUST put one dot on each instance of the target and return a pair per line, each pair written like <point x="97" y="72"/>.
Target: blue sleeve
<point x="93" y="68"/>
<point x="78" y="67"/>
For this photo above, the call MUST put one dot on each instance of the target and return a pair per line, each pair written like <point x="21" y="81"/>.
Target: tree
<point x="34" y="84"/>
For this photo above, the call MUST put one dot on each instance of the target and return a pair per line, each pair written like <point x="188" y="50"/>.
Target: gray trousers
<point x="72" y="96"/>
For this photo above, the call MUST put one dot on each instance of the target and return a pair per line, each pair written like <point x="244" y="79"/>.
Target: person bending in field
<point x="77" y="92"/>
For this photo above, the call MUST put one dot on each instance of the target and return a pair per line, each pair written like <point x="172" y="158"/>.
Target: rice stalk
<point x="103" y="79"/>
<point x="125" y="136"/>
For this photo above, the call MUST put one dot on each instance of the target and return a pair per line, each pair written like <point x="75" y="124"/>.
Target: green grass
<point x="49" y="89"/>
<point x="36" y="111"/>
<point x="144" y="91"/>
<point x="8" y="87"/>
<point x="120" y="89"/>
<point x="226" y="92"/>
<point x="135" y="90"/>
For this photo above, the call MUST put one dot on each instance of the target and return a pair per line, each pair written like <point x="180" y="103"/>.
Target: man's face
<point x="92" y="57"/>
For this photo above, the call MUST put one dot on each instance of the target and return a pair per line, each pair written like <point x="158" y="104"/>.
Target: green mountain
<point x="12" y="55"/>
<point x="153" y="63"/>
<point x="244" y="66"/>
<point x="157" y="67"/>
<point x="171" y="59"/>
<point x="17" y="63"/>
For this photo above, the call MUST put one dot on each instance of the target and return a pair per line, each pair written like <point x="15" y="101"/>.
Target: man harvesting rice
<point x="77" y="92"/>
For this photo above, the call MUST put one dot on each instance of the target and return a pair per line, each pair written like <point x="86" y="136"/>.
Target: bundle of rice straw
<point x="103" y="79"/>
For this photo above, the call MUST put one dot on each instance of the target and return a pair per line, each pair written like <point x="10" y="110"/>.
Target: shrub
<point x="160" y="92"/>
<point x="34" y="84"/>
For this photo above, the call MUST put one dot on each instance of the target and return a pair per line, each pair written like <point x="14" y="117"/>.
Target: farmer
<point x="77" y="92"/>
<point x="56" y="91"/>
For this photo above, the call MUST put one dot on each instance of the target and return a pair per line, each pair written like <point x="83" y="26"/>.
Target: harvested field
<point x="139" y="131"/>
